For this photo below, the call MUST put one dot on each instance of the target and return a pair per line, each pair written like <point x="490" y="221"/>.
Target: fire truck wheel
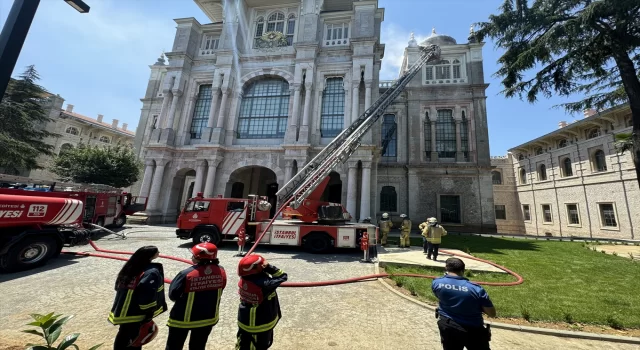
<point x="100" y="222"/>
<point x="203" y="236"/>
<point x="317" y="243"/>
<point x="28" y="253"/>
<point x="120" y="221"/>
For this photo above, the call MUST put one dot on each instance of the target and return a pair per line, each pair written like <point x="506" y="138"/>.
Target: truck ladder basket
<point x="343" y="145"/>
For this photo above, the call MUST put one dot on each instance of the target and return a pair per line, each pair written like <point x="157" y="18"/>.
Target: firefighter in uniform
<point x="460" y="308"/>
<point x="433" y="233"/>
<point x="259" y="310"/>
<point x="405" y="229"/>
<point x="139" y="297"/>
<point x="196" y="292"/>
<point x="385" y="226"/>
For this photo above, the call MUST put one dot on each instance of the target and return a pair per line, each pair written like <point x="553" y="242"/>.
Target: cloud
<point x="396" y="39"/>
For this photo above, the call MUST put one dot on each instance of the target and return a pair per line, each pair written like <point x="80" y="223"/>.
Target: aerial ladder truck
<point x="308" y="221"/>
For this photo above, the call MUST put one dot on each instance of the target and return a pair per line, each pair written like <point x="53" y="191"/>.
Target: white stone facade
<point x="571" y="182"/>
<point x="239" y="109"/>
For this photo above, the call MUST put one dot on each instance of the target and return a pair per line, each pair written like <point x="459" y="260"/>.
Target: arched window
<point x="456" y="69"/>
<point x="446" y="134"/>
<point x="563" y="143"/>
<point x="389" y="138"/>
<point x="332" y="115"/>
<point x="567" y="169"/>
<point x="593" y="133"/>
<point x="520" y="156"/>
<point x="275" y="23"/>
<point x="542" y="172"/>
<point x="388" y="199"/>
<point x="523" y="176"/>
<point x="65" y="148"/>
<point x="291" y="27"/>
<point x="464" y="136"/>
<point x="427" y="136"/>
<point x="496" y="177"/>
<point x="259" y="27"/>
<point x="105" y="139"/>
<point x="443" y="70"/>
<point x="599" y="161"/>
<point x="201" y="111"/>
<point x="72" y="130"/>
<point x="264" y="110"/>
<point x="539" y="151"/>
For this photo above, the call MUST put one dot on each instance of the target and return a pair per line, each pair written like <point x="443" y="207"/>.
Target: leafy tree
<point x="114" y="166"/>
<point x="586" y="47"/>
<point x="23" y="118"/>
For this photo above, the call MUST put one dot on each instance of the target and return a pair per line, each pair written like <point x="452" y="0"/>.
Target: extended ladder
<point x="343" y="145"/>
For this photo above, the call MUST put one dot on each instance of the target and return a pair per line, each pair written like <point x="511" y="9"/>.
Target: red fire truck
<point x="103" y="205"/>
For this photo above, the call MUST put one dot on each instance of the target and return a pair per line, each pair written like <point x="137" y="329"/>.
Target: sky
<point x="99" y="61"/>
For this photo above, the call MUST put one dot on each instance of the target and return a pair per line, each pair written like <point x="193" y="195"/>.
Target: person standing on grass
<point x="432" y="232"/>
<point x="460" y="308"/>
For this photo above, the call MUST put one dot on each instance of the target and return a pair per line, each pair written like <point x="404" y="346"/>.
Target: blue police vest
<point x="461" y="300"/>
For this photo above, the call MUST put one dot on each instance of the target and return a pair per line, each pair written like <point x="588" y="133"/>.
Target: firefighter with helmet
<point x="405" y="229"/>
<point x="196" y="292"/>
<point x="385" y="226"/>
<point x="433" y="233"/>
<point x="259" y="310"/>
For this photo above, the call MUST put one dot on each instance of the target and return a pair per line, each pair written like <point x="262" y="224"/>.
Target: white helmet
<point x="403" y="216"/>
<point x="385" y="215"/>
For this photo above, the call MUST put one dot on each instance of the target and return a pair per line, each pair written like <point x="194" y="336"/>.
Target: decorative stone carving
<point x="271" y="40"/>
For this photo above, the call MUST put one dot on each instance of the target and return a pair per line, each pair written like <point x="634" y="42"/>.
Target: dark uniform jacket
<point x="259" y="306"/>
<point x="197" y="292"/>
<point x="141" y="299"/>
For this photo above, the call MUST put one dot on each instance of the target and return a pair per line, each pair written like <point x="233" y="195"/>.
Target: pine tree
<point x="585" y="47"/>
<point x="23" y="121"/>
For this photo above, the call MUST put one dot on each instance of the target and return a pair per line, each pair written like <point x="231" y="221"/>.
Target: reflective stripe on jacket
<point x="385" y="225"/>
<point x="197" y="292"/>
<point x="433" y="234"/>
<point x="142" y="299"/>
<point x="259" y="309"/>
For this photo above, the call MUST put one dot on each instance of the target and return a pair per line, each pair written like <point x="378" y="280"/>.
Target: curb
<point x="536" y="330"/>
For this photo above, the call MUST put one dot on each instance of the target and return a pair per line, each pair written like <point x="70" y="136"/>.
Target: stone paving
<point x="416" y="257"/>
<point x="355" y="316"/>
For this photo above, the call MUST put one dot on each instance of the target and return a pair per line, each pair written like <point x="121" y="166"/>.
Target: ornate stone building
<point x="570" y="182"/>
<point x="248" y="99"/>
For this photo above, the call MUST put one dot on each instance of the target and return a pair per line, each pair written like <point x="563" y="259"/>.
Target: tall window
<point x="608" y="215"/>
<point x="201" y="111"/>
<point x="72" y="130"/>
<point x="332" y="117"/>
<point x="563" y="143"/>
<point x="337" y="34"/>
<point x="276" y="22"/>
<point x="456" y="69"/>
<point x="523" y="176"/>
<point x="539" y="151"/>
<point x="259" y="27"/>
<point x="501" y="212"/>
<point x="446" y="134"/>
<point x="450" y="209"/>
<point x="542" y="172"/>
<point x="264" y="110"/>
<point x="572" y="214"/>
<point x="291" y="28"/>
<point x="105" y="139"/>
<point x="209" y="44"/>
<point x="599" y="161"/>
<point x="464" y="135"/>
<point x="593" y="133"/>
<point x="388" y="199"/>
<point x="496" y="177"/>
<point x="445" y="70"/>
<point x="567" y="170"/>
<point x="389" y="137"/>
<point x="546" y="213"/>
<point x="427" y="136"/>
<point x="526" y="212"/>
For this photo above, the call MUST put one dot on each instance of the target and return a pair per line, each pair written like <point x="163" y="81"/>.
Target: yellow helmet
<point x="432" y="220"/>
<point x="385" y="215"/>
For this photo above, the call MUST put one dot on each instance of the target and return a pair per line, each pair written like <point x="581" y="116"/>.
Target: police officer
<point x="385" y="226"/>
<point x="259" y="310"/>
<point x="432" y="232"/>
<point x="405" y="230"/>
<point x="196" y="292"/>
<point x="460" y="309"/>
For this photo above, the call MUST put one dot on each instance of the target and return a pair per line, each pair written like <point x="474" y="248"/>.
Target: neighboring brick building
<point x="571" y="182"/>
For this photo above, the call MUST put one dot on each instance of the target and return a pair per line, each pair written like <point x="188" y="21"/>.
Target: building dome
<point x="438" y="39"/>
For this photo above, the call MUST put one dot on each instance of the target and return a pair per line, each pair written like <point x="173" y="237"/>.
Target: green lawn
<point x="563" y="281"/>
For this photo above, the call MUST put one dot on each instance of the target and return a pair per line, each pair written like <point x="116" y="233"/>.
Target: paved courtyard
<point x="356" y="316"/>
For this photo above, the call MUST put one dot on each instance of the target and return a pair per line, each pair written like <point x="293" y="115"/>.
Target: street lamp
<point x="15" y="32"/>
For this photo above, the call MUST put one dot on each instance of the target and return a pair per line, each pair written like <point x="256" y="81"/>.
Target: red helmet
<point x="205" y="251"/>
<point x="148" y="332"/>
<point x="250" y="265"/>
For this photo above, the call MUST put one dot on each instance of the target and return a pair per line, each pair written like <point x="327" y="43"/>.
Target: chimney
<point x="589" y="112"/>
<point x="114" y="124"/>
<point x="124" y="126"/>
<point x="100" y="116"/>
<point x="69" y="108"/>
<point x="562" y="124"/>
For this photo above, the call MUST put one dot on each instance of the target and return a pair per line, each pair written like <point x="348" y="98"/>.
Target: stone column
<point x="459" y="155"/>
<point x="211" y="177"/>
<point x="163" y="110"/>
<point x="156" y="186"/>
<point x="223" y="107"/>
<point x="146" y="180"/>
<point x="365" y="193"/>
<point x="214" y="104"/>
<point x="307" y="104"/>
<point x="288" y="171"/>
<point x="355" y="102"/>
<point x="172" y="111"/>
<point x="197" y="186"/>
<point x="367" y="95"/>
<point x="296" y="106"/>
<point x="352" y="189"/>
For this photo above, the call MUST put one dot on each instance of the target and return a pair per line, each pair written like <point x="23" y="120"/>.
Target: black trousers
<point x="254" y="341"/>
<point x="198" y="340"/>
<point x="126" y="334"/>
<point x="432" y="249"/>
<point x="456" y="337"/>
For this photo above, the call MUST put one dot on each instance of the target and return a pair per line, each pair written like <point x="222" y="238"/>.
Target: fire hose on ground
<point x="519" y="279"/>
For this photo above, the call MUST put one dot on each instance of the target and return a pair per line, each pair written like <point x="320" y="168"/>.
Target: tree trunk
<point x="632" y="88"/>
